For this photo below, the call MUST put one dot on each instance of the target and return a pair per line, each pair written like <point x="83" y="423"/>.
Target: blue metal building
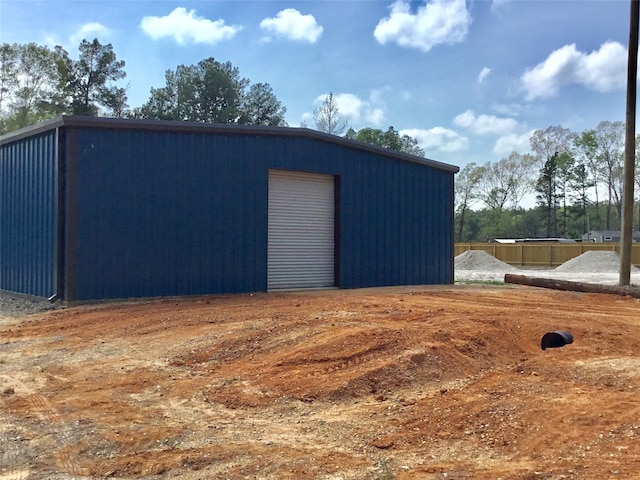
<point x="99" y="208"/>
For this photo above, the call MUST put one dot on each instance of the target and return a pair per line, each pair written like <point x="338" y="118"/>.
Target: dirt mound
<point x="404" y="383"/>
<point x="481" y="260"/>
<point x="594" y="261"/>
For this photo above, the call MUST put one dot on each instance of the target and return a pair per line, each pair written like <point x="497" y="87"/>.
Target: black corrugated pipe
<point x="556" y="339"/>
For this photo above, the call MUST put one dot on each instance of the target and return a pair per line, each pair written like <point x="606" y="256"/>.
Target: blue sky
<point x="469" y="79"/>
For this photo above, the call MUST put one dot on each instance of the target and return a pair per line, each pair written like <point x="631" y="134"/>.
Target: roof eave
<point x="177" y="126"/>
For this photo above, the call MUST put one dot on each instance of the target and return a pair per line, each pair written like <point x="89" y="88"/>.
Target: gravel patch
<point x="16" y="306"/>
<point x="481" y="260"/>
<point x="591" y="267"/>
<point x="594" y="262"/>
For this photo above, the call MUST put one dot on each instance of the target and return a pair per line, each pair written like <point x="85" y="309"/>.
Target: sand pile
<point x="594" y="262"/>
<point x="481" y="260"/>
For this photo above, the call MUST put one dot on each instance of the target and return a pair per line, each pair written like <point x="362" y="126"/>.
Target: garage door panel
<point x="301" y="230"/>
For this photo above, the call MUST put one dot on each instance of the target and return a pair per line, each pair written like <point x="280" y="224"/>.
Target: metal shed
<point x="102" y="208"/>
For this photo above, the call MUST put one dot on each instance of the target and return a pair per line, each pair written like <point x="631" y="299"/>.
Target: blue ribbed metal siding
<point x="396" y="217"/>
<point x="28" y="215"/>
<point x="162" y="213"/>
<point x="159" y="213"/>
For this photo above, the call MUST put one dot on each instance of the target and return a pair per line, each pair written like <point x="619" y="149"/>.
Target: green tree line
<point x="573" y="180"/>
<point x="38" y="83"/>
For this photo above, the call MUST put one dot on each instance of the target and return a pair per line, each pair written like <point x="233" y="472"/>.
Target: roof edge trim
<point x="177" y="126"/>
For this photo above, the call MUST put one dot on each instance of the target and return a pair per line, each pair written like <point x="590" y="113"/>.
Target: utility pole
<point x="626" y="231"/>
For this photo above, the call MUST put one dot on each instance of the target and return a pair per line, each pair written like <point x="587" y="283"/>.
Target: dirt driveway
<point x="425" y="383"/>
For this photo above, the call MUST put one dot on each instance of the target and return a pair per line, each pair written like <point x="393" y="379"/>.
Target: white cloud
<point x="89" y="31"/>
<point x="601" y="70"/>
<point x="355" y="110"/>
<point x="376" y="94"/>
<point x="291" y="24"/>
<point x="513" y="143"/>
<point x="375" y="116"/>
<point x="306" y="119"/>
<point x="510" y="109"/>
<point x="485" y="124"/>
<point x="349" y="105"/>
<point x="435" y="22"/>
<point x="496" y="4"/>
<point x="187" y="27"/>
<point x="482" y="76"/>
<point x="51" y="40"/>
<point x="437" y="139"/>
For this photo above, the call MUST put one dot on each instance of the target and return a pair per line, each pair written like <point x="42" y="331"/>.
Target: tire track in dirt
<point x="10" y="454"/>
<point x="62" y="434"/>
<point x="15" y="475"/>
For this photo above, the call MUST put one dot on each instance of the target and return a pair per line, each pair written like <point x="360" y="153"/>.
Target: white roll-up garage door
<point x="301" y="230"/>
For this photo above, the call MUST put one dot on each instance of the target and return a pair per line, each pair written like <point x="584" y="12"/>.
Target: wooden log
<point x="572" y="286"/>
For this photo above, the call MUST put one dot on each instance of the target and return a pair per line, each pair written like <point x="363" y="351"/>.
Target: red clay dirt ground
<point x="412" y="382"/>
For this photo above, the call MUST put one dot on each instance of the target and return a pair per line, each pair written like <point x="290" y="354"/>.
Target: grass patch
<point x="480" y="282"/>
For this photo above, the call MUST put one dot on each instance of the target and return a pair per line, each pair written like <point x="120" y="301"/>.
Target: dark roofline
<point x="176" y="126"/>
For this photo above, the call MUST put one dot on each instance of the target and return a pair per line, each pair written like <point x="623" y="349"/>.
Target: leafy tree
<point x="547" y="197"/>
<point x="260" y="106"/>
<point x="586" y="146"/>
<point x="351" y="133"/>
<point x="522" y="182"/>
<point x="499" y="185"/>
<point x="465" y="193"/>
<point x="532" y="223"/>
<point x="8" y="79"/>
<point x="213" y="92"/>
<point x="87" y="84"/>
<point x="470" y="229"/>
<point x="637" y="175"/>
<point x="547" y="144"/>
<point x="564" y="186"/>
<point x="327" y="117"/>
<point x="8" y="71"/>
<point x="207" y="92"/>
<point x="163" y="102"/>
<point x="550" y="141"/>
<point x="610" y="150"/>
<point x="402" y="143"/>
<point x="492" y="189"/>
<point x="373" y="136"/>
<point x="390" y="139"/>
<point x="579" y="183"/>
<point x="505" y="181"/>
<point x="565" y="163"/>
<point x="28" y="81"/>
<point x="116" y="101"/>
